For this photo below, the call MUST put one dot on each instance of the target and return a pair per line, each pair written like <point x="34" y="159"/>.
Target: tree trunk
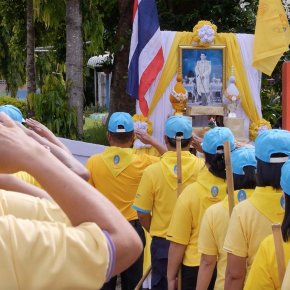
<point x="30" y="61"/>
<point x="74" y="59"/>
<point x="120" y="101"/>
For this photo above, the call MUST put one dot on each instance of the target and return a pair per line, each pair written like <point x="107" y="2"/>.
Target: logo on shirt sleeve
<point x="214" y="191"/>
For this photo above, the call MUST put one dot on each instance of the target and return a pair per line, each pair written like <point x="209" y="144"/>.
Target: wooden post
<point x="286" y="280"/>
<point x="286" y="95"/>
<point x="276" y="229"/>
<point x="178" y="165"/>
<point x="179" y="188"/>
<point x="229" y="174"/>
<point x="145" y="275"/>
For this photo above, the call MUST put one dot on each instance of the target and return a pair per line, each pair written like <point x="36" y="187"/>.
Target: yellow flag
<point x="272" y="35"/>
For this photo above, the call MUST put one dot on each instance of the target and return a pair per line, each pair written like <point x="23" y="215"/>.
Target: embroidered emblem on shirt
<point x="282" y="202"/>
<point x="214" y="191"/>
<point x="138" y="195"/>
<point x="242" y="195"/>
<point x="175" y="169"/>
<point x="116" y="159"/>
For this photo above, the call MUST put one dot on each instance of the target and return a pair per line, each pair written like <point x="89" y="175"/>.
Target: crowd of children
<point x="66" y="226"/>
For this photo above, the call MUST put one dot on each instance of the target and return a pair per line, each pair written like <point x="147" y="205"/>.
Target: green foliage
<point x="93" y="28"/>
<point x="20" y="104"/>
<point x="227" y="15"/>
<point x="12" y="43"/>
<point x="51" y="108"/>
<point x="95" y="132"/>
<point x="271" y="104"/>
<point x="94" y="109"/>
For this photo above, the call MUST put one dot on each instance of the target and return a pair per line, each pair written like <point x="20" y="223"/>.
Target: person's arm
<point x="205" y="271"/>
<point x="20" y="152"/>
<point x="12" y="183"/>
<point x="235" y="272"/>
<point x="43" y="131"/>
<point x="175" y="257"/>
<point x="148" y="139"/>
<point x="63" y="155"/>
<point x="145" y="220"/>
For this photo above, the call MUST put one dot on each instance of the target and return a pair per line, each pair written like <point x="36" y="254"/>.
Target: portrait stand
<point x="204" y="78"/>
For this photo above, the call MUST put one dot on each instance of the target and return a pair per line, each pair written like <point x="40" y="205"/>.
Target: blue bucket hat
<point x="285" y="177"/>
<point x="216" y="137"/>
<point x="178" y="124"/>
<point x="120" y="122"/>
<point x="13" y="112"/>
<point x="270" y="142"/>
<point x="241" y="157"/>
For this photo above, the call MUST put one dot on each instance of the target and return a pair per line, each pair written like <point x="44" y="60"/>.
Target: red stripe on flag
<point x="135" y="8"/>
<point x="148" y="76"/>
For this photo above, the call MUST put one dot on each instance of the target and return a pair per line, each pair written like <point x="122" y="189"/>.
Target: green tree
<point x="12" y="43"/>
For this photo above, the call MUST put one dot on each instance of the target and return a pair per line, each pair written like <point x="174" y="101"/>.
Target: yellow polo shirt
<point x="116" y="173"/>
<point x="189" y="210"/>
<point x="264" y="271"/>
<point x="39" y="255"/>
<point x="251" y="222"/>
<point x="157" y="192"/>
<point x="213" y="230"/>
<point x="149" y="151"/>
<point x="29" y="207"/>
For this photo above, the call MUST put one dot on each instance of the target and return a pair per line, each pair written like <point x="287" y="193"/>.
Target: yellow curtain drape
<point x="233" y="58"/>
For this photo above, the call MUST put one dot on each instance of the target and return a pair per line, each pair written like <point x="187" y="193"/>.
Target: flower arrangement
<point x="204" y="33"/>
<point x="257" y="127"/>
<point x="144" y="124"/>
<point x="232" y="97"/>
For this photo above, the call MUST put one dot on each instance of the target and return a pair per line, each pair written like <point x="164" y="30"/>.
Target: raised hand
<point x="15" y="146"/>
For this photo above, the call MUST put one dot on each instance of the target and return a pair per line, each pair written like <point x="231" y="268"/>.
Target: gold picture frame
<point x="204" y="76"/>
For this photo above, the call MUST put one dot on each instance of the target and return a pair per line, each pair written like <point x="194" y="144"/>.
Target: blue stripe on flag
<point x="147" y="22"/>
<point x="133" y="75"/>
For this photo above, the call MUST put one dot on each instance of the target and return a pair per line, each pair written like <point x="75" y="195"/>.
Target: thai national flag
<point x="146" y="55"/>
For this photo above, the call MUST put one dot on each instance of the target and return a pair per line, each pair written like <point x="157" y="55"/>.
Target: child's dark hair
<point x="184" y="142"/>
<point x="269" y="174"/>
<point x="122" y="137"/>
<point x="216" y="163"/>
<point x="286" y="221"/>
<point x="246" y="181"/>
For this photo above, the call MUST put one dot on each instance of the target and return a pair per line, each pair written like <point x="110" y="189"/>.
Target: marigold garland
<point x="258" y="127"/>
<point x="141" y="118"/>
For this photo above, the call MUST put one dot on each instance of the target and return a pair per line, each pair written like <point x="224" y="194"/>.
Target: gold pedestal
<point x="192" y="110"/>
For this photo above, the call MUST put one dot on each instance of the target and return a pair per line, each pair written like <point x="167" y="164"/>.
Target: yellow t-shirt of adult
<point x="148" y="150"/>
<point x="189" y="210"/>
<point x="157" y="192"/>
<point x="39" y="255"/>
<point x="264" y="271"/>
<point x="251" y="222"/>
<point x="116" y="173"/>
<point x="29" y="207"/>
<point x="213" y="230"/>
<point x="27" y="178"/>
